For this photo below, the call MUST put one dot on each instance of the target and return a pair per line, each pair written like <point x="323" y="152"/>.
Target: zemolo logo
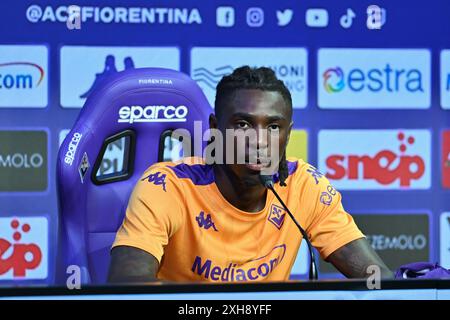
<point x="23" y="161"/>
<point x="153" y="113"/>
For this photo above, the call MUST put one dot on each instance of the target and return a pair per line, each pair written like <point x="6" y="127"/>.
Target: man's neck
<point x="246" y="197"/>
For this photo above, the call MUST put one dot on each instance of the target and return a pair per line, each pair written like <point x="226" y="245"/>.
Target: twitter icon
<point x="284" y="17"/>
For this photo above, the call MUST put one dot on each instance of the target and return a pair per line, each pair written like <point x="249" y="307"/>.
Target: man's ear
<point x="212" y="121"/>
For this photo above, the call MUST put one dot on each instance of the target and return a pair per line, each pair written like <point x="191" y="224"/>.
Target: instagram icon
<point x="255" y="17"/>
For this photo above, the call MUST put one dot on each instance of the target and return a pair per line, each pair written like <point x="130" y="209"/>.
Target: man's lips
<point x="256" y="166"/>
<point x="259" y="165"/>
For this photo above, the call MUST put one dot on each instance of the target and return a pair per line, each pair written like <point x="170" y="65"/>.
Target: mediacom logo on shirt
<point x="23" y="248"/>
<point x="374" y="78"/>
<point x="253" y="270"/>
<point x="376" y="159"/>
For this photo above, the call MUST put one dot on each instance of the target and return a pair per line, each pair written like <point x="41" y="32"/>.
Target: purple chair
<point x="135" y="110"/>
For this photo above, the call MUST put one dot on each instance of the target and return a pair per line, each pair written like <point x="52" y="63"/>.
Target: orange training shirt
<point x="177" y="214"/>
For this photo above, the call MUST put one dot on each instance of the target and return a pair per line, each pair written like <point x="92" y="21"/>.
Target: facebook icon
<point x="225" y="16"/>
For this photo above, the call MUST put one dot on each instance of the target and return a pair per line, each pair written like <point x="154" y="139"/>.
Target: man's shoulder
<point x="190" y="170"/>
<point x="300" y="170"/>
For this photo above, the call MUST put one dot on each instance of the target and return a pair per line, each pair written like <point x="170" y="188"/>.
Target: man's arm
<point x="129" y="264"/>
<point x="354" y="258"/>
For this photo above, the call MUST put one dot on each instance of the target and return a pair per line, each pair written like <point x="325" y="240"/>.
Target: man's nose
<point x="262" y="138"/>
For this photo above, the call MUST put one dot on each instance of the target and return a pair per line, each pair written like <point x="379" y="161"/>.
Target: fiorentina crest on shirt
<point x="277" y="215"/>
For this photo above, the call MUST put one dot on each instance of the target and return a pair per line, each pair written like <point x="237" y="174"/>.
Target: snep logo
<point x="157" y="178"/>
<point x="234" y="271"/>
<point x="84" y="68"/>
<point x="210" y="64"/>
<point x="445" y="240"/>
<point x="445" y="162"/>
<point x="23" y="248"/>
<point x="23" y="76"/>
<point x="374" y="78"/>
<point x="277" y="216"/>
<point x="72" y="149"/>
<point x="376" y="159"/>
<point x="23" y="161"/>
<point x="153" y="113"/>
<point x="205" y="221"/>
<point x="397" y="238"/>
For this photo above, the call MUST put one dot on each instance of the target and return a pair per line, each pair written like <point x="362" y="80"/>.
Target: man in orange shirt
<point x="196" y="221"/>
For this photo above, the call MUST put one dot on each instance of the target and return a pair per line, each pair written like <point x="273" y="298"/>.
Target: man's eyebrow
<point x="243" y="115"/>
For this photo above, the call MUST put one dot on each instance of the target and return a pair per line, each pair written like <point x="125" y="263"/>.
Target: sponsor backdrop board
<point x="397" y="238"/>
<point x="371" y="98"/>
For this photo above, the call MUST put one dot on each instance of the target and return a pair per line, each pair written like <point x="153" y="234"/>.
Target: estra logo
<point x="374" y="78"/>
<point x="376" y="159"/>
<point x="23" y="248"/>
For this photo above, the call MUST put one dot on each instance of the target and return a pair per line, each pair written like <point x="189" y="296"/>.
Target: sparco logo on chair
<point x="156" y="113"/>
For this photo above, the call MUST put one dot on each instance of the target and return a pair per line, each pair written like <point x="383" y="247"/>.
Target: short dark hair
<point x="261" y="78"/>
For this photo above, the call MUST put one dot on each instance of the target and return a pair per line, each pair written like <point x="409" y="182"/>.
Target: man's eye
<point x="274" y="127"/>
<point x="243" y="125"/>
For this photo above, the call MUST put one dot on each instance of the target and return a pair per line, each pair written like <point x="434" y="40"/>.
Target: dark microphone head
<point x="266" y="180"/>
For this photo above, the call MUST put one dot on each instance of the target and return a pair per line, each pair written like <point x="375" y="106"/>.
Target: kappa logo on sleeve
<point x="157" y="178"/>
<point x="205" y="222"/>
<point x="316" y="174"/>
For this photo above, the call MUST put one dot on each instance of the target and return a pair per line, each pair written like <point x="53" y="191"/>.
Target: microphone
<point x="267" y="182"/>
